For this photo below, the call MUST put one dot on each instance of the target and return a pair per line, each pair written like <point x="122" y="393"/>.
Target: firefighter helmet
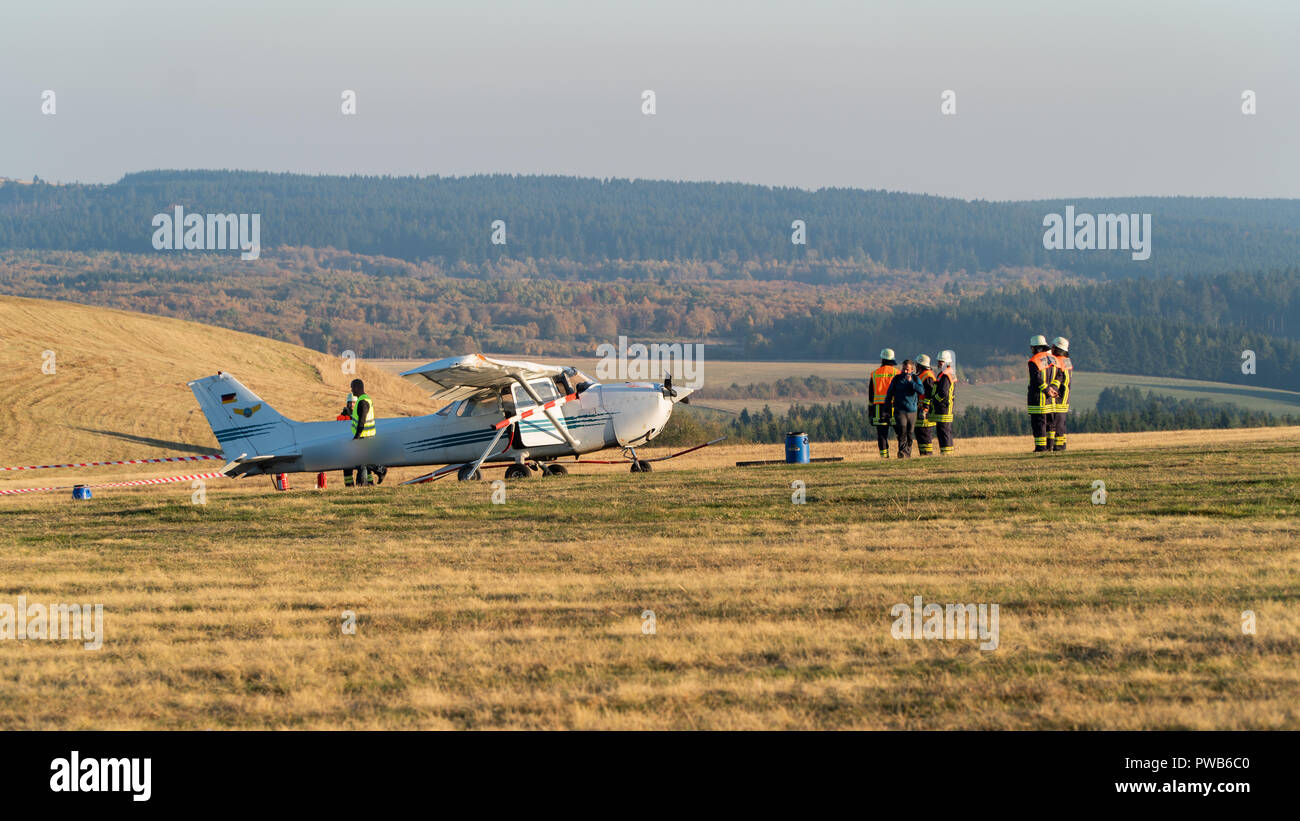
<point x="923" y="361"/>
<point x="1036" y="340"/>
<point x="1062" y="343"/>
<point x="886" y="353"/>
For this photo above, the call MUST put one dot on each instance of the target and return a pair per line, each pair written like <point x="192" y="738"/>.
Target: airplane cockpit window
<point x="451" y="409"/>
<point x="481" y="406"/>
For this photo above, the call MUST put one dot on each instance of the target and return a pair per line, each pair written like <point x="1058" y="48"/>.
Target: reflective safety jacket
<point x="878" y="392"/>
<point x="367" y="424"/>
<point x="1042" y="373"/>
<point x="944" y="397"/>
<point x="1064" y="375"/>
<point x="923" y="419"/>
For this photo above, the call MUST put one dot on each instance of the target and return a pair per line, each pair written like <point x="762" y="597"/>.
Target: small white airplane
<point x="521" y="414"/>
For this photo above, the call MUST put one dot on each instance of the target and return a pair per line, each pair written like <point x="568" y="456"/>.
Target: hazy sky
<point x="1053" y="98"/>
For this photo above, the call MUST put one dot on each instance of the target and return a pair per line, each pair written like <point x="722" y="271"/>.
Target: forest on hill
<point x="1189" y="327"/>
<point x="449" y="219"/>
<point x="383" y="307"/>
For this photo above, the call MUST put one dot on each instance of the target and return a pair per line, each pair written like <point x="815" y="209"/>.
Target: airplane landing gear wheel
<point x="555" y="470"/>
<point x="465" y="475"/>
<point x="640" y="466"/>
<point x="517" y="472"/>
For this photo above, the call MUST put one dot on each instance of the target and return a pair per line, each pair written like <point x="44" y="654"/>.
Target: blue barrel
<point x="796" y="448"/>
<point x="81" y="492"/>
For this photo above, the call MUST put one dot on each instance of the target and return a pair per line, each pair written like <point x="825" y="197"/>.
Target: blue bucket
<point x="796" y="448"/>
<point x="81" y="492"/>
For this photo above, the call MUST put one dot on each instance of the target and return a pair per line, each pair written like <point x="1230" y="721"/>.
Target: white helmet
<point x="1036" y="340"/>
<point x="923" y="360"/>
<point x="1062" y="343"/>
<point x="886" y="353"/>
<point x="947" y="357"/>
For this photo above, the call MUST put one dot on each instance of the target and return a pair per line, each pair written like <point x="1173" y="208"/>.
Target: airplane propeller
<point x="670" y="392"/>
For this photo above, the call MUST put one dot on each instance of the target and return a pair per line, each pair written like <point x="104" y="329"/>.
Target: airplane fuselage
<point x="602" y="416"/>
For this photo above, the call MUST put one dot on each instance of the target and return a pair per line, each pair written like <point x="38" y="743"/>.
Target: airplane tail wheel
<point x="555" y="470"/>
<point x="464" y="475"/>
<point x="640" y="466"/>
<point x="517" y="472"/>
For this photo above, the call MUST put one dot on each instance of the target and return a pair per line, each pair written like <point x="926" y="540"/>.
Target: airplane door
<point x="537" y="430"/>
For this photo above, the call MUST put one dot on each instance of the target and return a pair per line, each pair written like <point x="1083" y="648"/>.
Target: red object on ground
<point x="320" y="481"/>
<point x="281" y="481"/>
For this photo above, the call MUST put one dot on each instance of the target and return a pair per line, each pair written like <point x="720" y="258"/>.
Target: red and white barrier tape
<point x="554" y="403"/>
<point x="132" y="483"/>
<point x="119" y="462"/>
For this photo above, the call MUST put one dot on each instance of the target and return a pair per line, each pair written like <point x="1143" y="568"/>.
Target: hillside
<point x="119" y="386"/>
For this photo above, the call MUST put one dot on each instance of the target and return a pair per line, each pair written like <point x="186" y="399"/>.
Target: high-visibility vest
<point x="1042" y="364"/>
<point x="1064" y="374"/>
<point x="923" y="406"/>
<point x="945" y="393"/>
<point x="880" y="379"/>
<point x="368" y="428"/>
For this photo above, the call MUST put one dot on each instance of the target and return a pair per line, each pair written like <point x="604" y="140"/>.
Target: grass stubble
<point x="767" y="614"/>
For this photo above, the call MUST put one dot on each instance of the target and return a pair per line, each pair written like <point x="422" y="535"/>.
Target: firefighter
<point x="363" y="426"/>
<point x="346" y="416"/>
<point x="878" y="393"/>
<point x="904" y="397"/>
<point x="1064" y="374"/>
<point x="943" y="400"/>
<point x="924" y="424"/>
<point x="1041" y="396"/>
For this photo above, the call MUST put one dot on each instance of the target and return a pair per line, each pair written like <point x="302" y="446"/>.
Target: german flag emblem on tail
<point x="227" y="398"/>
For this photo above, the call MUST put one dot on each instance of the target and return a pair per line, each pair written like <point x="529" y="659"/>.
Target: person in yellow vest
<point x="924" y="424"/>
<point x="345" y="415"/>
<point x="943" y="400"/>
<point x="363" y="427"/>
<point x="1064" y="375"/>
<point x="878" y="392"/>
<point x="1041" y="396"/>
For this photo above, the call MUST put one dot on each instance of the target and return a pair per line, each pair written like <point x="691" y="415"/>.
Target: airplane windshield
<point x="544" y="388"/>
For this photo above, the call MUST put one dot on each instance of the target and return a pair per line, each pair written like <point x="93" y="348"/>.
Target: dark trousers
<point x="1038" y="422"/>
<point x="905" y="429"/>
<point x="944" y="429"/>
<point x="882" y="439"/>
<point x="1058" y="419"/>
<point x="925" y="439"/>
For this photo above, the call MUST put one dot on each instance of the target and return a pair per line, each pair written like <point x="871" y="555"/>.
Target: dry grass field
<point x="768" y="614"/>
<point x="118" y="389"/>
<point x="528" y="614"/>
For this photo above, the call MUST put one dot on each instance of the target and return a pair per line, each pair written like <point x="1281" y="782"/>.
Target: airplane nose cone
<point x="643" y="418"/>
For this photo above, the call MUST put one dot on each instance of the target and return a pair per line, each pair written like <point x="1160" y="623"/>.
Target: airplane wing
<point x="459" y="377"/>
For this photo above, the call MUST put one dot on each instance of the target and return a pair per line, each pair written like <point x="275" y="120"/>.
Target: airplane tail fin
<point x="242" y="423"/>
